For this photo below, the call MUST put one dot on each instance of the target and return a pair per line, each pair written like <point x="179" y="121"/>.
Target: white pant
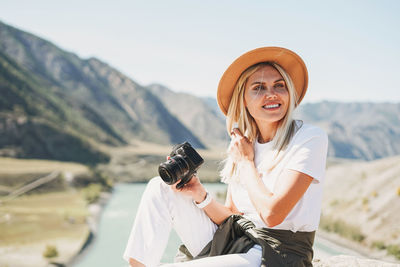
<point x="159" y="210"/>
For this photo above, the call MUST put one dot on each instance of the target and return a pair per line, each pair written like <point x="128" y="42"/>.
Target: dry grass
<point x="22" y="166"/>
<point x="35" y="218"/>
<point x="29" y="223"/>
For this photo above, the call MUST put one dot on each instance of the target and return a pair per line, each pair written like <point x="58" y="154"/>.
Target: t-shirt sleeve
<point x="309" y="154"/>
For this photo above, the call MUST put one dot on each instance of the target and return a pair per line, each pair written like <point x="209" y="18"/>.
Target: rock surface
<point x="346" y="261"/>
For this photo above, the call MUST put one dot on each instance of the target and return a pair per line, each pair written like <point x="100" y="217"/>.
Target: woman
<point x="274" y="171"/>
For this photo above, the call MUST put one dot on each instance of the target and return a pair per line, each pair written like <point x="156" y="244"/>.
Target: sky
<point x="351" y="48"/>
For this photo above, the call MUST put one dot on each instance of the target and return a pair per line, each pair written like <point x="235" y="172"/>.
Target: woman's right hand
<point x="193" y="188"/>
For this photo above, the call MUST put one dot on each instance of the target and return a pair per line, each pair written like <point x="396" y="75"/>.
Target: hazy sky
<point x="351" y="48"/>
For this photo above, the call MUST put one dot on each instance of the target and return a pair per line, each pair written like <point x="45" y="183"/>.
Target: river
<point x="116" y="222"/>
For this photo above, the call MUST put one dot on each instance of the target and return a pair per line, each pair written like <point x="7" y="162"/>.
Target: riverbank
<point x="31" y="223"/>
<point x="93" y="220"/>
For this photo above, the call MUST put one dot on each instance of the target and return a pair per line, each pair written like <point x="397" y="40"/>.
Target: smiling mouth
<point x="273" y="106"/>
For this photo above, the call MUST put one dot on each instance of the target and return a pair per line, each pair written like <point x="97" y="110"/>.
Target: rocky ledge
<point x="346" y="261"/>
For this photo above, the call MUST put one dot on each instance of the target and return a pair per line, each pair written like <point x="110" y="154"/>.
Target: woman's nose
<point x="270" y="93"/>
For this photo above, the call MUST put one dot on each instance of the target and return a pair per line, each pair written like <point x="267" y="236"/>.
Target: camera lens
<point x="173" y="169"/>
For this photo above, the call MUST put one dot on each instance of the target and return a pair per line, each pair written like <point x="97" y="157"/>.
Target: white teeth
<point x="271" y="106"/>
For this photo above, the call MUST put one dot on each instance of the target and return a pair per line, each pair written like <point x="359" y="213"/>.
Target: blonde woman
<point x="274" y="170"/>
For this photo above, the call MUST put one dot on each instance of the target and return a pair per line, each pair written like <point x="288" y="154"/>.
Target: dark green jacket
<point x="279" y="247"/>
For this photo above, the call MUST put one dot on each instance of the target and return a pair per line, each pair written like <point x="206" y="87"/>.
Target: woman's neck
<point x="267" y="131"/>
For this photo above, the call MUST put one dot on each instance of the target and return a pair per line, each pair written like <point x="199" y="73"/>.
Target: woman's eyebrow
<point x="257" y="82"/>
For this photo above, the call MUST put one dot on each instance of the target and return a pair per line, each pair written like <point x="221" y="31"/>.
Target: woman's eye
<point x="279" y="85"/>
<point x="258" y="87"/>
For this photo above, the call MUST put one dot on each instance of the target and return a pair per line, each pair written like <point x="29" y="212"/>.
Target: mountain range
<point x="365" y="131"/>
<point x="51" y="98"/>
<point x="56" y="105"/>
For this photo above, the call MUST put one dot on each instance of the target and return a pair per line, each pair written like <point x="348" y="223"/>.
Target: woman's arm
<point x="274" y="207"/>
<point x="271" y="207"/>
<point x="216" y="211"/>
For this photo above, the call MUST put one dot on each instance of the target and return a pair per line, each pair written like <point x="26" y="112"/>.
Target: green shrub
<point x="394" y="250"/>
<point x="334" y="202"/>
<point x="340" y="227"/>
<point x="379" y="245"/>
<point x="50" y="252"/>
<point x="95" y="176"/>
<point x="91" y="193"/>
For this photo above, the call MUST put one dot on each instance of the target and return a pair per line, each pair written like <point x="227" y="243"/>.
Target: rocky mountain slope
<point x="91" y="102"/>
<point x="197" y="114"/>
<point x="357" y="130"/>
<point x="85" y="99"/>
<point x="35" y="122"/>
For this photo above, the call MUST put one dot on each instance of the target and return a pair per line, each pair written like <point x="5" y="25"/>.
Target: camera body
<point x="183" y="163"/>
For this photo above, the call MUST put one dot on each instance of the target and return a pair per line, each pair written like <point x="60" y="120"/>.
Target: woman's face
<point x="266" y="95"/>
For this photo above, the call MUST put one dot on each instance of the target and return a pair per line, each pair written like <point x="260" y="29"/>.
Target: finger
<point x="237" y="132"/>
<point x="235" y="125"/>
<point x="173" y="186"/>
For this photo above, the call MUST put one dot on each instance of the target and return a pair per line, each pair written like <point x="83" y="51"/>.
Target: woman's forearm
<point x="274" y="207"/>
<point x="217" y="212"/>
<point x="259" y="194"/>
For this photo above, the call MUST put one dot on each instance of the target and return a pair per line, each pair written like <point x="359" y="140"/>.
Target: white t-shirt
<point x="305" y="153"/>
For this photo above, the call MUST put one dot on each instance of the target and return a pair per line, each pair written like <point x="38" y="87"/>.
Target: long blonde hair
<point x="237" y="112"/>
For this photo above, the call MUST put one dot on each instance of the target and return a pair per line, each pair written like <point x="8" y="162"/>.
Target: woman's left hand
<point x="240" y="148"/>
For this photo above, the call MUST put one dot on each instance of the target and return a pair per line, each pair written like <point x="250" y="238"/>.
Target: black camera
<point x="183" y="163"/>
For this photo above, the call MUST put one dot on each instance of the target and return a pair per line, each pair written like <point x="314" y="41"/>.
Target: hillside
<point x="361" y="202"/>
<point x="56" y="105"/>
<point x="84" y="98"/>
<point x="357" y="130"/>
<point x="38" y="123"/>
<point x="196" y="114"/>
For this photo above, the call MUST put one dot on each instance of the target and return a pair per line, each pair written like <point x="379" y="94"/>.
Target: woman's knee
<point x="156" y="187"/>
<point x="155" y="181"/>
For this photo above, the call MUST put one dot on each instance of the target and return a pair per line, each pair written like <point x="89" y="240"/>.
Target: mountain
<point x="35" y="123"/>
<point x="45" y="89"/>
<point x="357" y="130"/>
<point x="86" y="100"/>
<point x="197" y="114"/>
<point x="365" y="131"/>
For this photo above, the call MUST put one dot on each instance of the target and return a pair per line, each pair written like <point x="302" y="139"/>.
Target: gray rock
<point x="349" y="261"/>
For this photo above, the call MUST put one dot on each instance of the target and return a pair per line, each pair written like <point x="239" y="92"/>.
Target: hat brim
<point x="287" y="59"/>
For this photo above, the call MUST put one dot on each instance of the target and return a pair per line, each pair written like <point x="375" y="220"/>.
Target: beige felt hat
<point x="287" y="59"/>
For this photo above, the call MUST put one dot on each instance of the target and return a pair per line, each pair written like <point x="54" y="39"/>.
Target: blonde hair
<point x="237" y="112"/>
